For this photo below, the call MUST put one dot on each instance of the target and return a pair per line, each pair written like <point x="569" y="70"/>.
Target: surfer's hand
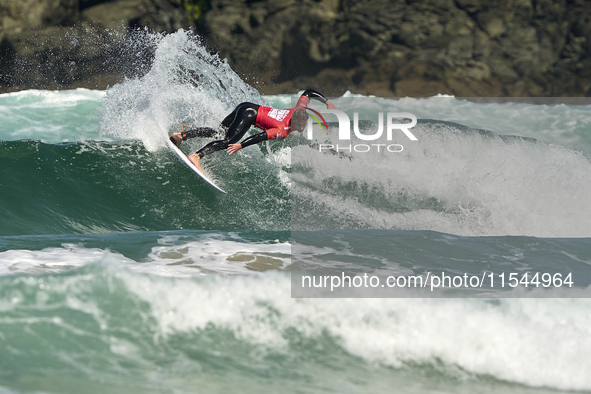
<point x="330" y="105"/>
<point x="233" y="148"/>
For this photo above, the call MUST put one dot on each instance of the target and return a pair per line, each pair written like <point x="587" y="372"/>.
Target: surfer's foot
<point x="176" y="139"/>
<point x="196" y="160"/>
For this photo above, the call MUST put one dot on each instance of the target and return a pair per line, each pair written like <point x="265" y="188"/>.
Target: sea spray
<point x="186" y="84"/>
<point x="455" y="179"/>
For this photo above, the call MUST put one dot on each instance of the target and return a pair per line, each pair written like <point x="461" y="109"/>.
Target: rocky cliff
<point x="57" y="44"/>
<point x="381" y="47"/>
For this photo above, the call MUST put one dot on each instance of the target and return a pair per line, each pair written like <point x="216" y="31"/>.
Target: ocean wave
<point x="457" y="180"/>
<point x="99" y="187"/>
<point x="96" y="162"/>
<point x="162" y="327"/>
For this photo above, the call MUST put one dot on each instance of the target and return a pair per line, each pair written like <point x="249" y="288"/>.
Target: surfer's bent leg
<point x="199" y="132"/>
<point x="238" y="123"/>
<point x="208" y="132"/>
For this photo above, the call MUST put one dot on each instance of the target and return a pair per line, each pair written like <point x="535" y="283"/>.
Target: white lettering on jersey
<point x="278" y="114"/>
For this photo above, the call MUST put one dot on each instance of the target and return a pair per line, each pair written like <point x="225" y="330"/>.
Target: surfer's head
<point x="299" y="118"/>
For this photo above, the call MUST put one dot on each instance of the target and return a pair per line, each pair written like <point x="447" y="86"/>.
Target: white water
<point x="207" y="255"/>
<point x="186" y="84"/>
<point x="533" y="342"/>
<point x="454" y="179"/>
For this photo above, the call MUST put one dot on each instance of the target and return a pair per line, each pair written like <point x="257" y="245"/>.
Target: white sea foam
<point x="561" y="124"/>
<point x="50" y="116"/>
<point x="51" y="260"/>
<point x="535" y="342"/>
<point x="169" y="258"/>
<point x="532" y="342"/>
<point x="453" y="180"/>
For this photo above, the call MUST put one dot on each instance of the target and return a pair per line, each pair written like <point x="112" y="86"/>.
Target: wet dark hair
<point x="299" y="114"/>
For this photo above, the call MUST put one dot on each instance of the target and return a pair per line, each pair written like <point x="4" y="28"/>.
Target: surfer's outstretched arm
<point x="254" y="139"/>
<point x="312" y="94"/>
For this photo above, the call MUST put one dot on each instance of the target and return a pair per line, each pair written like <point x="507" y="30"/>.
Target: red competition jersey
<point x="277" y="122"/>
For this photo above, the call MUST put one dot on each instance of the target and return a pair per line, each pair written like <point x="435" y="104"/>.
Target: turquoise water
<point x="122" y="272"/>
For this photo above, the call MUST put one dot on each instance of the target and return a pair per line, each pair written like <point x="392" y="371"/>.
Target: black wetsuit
<point x="236" y="125"/>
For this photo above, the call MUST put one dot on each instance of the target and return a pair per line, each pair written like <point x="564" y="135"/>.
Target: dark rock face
<point x="57" y="44"/>
<point x="381" y="47"/>
<point x="414" y="48"/>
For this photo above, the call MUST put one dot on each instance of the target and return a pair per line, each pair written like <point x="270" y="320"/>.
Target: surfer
<point x="275" y="123"/>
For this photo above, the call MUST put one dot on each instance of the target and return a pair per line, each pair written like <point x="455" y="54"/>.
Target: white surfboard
<point x="185" y="160"/>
